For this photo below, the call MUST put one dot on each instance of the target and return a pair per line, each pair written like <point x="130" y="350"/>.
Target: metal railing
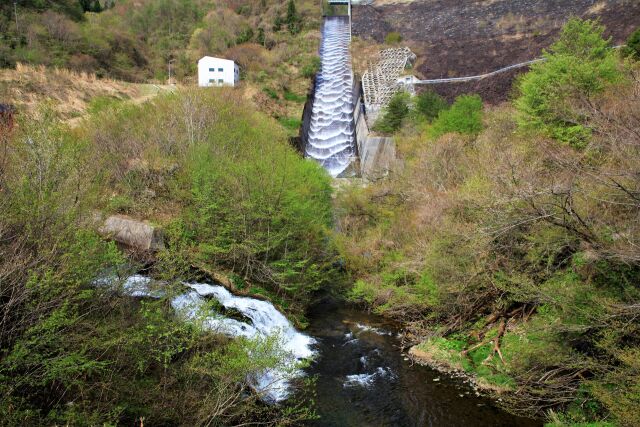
<point x="482" y="76"/>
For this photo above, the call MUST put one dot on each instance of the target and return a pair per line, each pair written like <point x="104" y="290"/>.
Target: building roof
<point x="215" y="59"/>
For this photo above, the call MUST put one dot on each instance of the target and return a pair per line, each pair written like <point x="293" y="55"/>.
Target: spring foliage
<point x="578" y="67"/>
<point x="513" y="250"/>
<point x="232" y="195"/>
<point x="394" y="114"/>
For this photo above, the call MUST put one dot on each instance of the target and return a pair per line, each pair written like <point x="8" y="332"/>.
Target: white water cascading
<point x="331" y="139"/>
<point x="266" y="321"/>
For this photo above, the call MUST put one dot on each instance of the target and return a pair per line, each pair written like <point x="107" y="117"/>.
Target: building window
<point x="212" y="80"/>
<point x="220" y="81"/>
<point x="212" y="70"/>
<point x="220" y="70"/>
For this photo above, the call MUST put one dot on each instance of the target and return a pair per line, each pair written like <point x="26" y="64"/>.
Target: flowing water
<point x="362" y="377"/>
<point x="331" y="139"/>
<point x="262" y="320"/>
<point x="364" y="380"/>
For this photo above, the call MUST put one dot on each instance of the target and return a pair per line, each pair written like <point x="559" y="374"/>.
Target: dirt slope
<point x="71" y="93"/>
<point x="465" y="37"/>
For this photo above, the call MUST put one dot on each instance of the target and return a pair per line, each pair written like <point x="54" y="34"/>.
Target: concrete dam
<point x="334" y="130"/>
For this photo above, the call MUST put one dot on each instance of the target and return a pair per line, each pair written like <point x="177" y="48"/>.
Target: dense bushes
<point x="633" y="44"/>
<point x="429" y="104"/>
<point x="248" y="203"/>
<point x="512" y="255"/>
<point x="393" y="38"/>
<point x="464" y="116"/>
<point x="394" y="114"/>
<point x="135" y="40"/>
<point x="232" y="194"/>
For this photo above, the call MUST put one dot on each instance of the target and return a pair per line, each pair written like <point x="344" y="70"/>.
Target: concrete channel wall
<point x="300" y="143"/>
<point x="377" y="154"/>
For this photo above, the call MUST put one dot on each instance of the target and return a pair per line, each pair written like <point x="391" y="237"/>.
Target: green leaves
<point x="429" y="105"/>
<point x="633" y="45"/>
<point x="578" y="67"/>
<point x="464" y="116"/>
<point x="394" y="114"/>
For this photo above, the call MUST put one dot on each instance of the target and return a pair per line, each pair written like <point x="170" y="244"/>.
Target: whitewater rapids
<point x="266" y="321"/>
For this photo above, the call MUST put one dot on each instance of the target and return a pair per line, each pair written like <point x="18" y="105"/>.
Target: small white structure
<point x="217" y="72"/>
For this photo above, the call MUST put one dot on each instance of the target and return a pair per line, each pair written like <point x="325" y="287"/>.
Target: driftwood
<point x="504" y="317"/>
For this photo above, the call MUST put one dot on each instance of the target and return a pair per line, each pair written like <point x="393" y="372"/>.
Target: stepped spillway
<point x="331" y="139"/>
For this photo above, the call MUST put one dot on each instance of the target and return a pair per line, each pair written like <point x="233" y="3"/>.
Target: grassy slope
<point x="72" y="94"/>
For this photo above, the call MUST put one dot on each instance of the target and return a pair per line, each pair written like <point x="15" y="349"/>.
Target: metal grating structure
<point x="380" y="81"/>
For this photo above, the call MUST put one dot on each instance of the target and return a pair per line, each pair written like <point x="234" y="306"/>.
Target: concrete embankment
<point x="377" y="154"/>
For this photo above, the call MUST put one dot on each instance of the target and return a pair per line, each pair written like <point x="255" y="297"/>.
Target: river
<point x="363" y="379"/>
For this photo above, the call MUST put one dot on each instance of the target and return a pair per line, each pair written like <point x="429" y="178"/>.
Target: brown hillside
<point x="465" y="37"/>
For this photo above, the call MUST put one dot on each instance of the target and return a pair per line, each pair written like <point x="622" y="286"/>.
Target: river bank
<point x="363" y="378"/>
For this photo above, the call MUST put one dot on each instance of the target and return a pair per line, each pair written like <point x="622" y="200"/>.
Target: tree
<point x="429" y="104"/>
<point x="464" y="116"/>
<point x="293" y="19"/>
<point x="261" y="37"/>
<point x="394" y="114"/>
<point x="97" y="8"/>
<point x="633" y="44"/>
<point x="277" y="23"/>
<point x="246" y="35"/>
<point x="579" y="66"/>
<point x="85" y="5"/>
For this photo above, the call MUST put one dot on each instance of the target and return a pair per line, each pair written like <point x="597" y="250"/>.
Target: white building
<point x="217" y="72"/>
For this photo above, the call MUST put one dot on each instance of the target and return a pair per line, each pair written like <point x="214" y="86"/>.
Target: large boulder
<point x="133" y="233"/>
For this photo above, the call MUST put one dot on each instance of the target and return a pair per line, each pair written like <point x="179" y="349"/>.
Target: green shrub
<point x="394" y="114"/>
<point x="293" y="19"/>
<point x="311" y="68"/>
<point x="428" y="104"/>
<point x="290" y="123"/>
<point x="464" y="116"/>
<point x="393" y="38"/>
<point x="246" y="35"/>
<point x="271" y="93"/>
<point x="579" y="66"/>
<point x="293" y="97"/>
<point x="633" y="44"/>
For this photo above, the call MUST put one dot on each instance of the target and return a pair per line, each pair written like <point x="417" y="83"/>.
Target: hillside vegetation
<point x="508" y="243"/>
<point x="467" y="38"/>
<point x="233" y="197"/>
<point x="71" y="94"/>
<point x="274" y="42"/>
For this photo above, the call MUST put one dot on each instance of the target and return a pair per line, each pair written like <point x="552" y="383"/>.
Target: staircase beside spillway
<point x="330" y="136"/>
